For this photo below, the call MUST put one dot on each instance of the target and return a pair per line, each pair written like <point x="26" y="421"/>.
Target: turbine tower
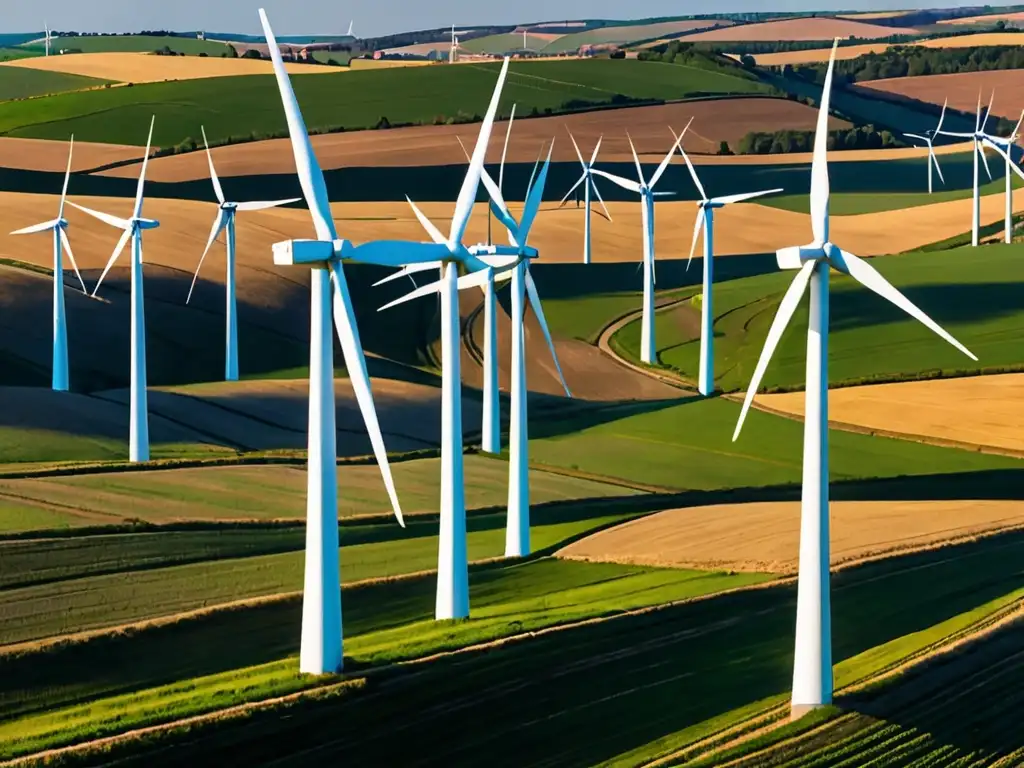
<point x="49" y="37"/>
<point x="453" y="52"/>
<point x="1007" y="144"/>
<point x="452" y="600"/>
<point x="321" y="649"/>
<point x="812" y="664"/>
<point x="61" y="243"/>
<point x="980" y="138"/>
<point x="132" y="229"/>
<point x="929" y="140"/>
<point x="587" y="180"/>
<point x="225" y="221"/>
<point x="647" y="194"/>
<point x="706" y="220"/>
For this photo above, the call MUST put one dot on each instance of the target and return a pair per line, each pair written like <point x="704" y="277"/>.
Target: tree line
<point x="781" y="142"/>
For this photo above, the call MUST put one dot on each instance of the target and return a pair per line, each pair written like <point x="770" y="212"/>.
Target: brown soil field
<point x="820" y="28"/>
<point x="961" y="89"/>
<point x="421" y="49"/>
<point x="817" y="55"/>
<point x="986" y="19"/>
<point x="869" y="15"/>
<point x="764" y="537"/>
<point x="713" y="122"/>
<point x="973" y="41"/>
<point x="980" y="410"/>
<point x="46" y="155"/>
<point x="147" y="68"/>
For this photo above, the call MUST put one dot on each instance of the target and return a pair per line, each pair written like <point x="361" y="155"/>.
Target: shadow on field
<point x="653" y="675"/>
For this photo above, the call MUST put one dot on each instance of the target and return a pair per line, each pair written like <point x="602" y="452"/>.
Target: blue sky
<point x="373" y="17"/>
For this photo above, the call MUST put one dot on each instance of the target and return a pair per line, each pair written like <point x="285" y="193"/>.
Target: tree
<point x="231" y="53"/>
<point x="748" y="61"/>
<point x="252" y="53"/>
<point x="723" y="148"/>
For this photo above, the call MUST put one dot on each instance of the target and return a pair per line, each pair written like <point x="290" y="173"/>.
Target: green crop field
<point x="661" y="677"/>
<point x="973" y="293"/>
<point x="501" y="43"/>
<point x="139" y="44"/>
<point x="13" y="54"/>
<point x="24" y="83"/>
<point x="241" y="106"/>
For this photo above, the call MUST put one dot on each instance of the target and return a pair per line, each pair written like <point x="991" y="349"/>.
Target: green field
<point x="13" y="54"/>
<point x="970" y="292"/>
<point x="241" y="106"/>
<point x="139" y="44"/>
<point x="501" y="43"/>
<point x="661" y="677"/>
<point x="24" y="83"/>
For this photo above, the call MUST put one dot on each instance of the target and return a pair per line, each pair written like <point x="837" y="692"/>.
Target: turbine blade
<point x="782" y="317"/>
<point x="538" y="310"/>
<point x="218" y="226"/>
<point x="999" y="151"/>
<point x="626" y="184"/>
<point x="427" y="224"/>
<point x="668" y="158"/>
<point x="46" y="226"/>
<point x="213" y="171"/>
<point x="915" y="136"/>
<point x="819" y="165"/>
<point x="266" y="205"/>
<point x="142" y="176"/>
<point x="977" y="118"/>
<point x="74" y="264"/>
<point x="1016" y="128"/>
<point x="125" y="237"/>
<point x="693" y="175"/>
<point x="473" y="280"/>
<point x="935" y="159"/>
<point x="498" y="205"/>
<point x="409" y="269"/>
<point x="113" y="221"/>
<point x="314" y="188"/>
<point x="870" y="278"/>
<point x="504" y="151"/>
<point x="697" y="224"/>
<point x="577" y="148"/>
<point x="600" y="199"/>
<point x="535" y="199"/>
<point x="67" y="177"/>
<point x="636" y="159"/>
<point x="355" y="362"/>
<point x="467" y="195"/>
<point x="597" y="148"/>
<point x="980" y="146"/>
<point x="729" y="199"/>
<point x="572" y="189"/>
<point x="988" y="110"/>
<point x="942" y="115"/>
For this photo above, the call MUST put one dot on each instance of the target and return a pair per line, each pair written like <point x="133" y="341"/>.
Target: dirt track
<point x="764" y="537"/>
<point x="978" y="410"/>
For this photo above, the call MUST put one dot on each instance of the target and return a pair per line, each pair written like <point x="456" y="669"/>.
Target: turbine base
<point x="796" y="711"/>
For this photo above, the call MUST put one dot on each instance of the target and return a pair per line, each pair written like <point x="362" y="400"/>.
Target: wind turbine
<point x="49" y="37"/>
<point x="351" y="26"/>
<point x="812" y="664"/>
<point x="61" y="243"/>
<point x="453" y="52"/>
<point x="647" y="194"/>
<point x="929" y="139"/>
<point x="132" y="229"/>
<point x="979" y="138"/>
<point x="1007" y="144"/>
<point x="706" y="220"/>
<point x="226" y="221"/>
<point x="321" y="649"/>
<point x="587" y="180"/>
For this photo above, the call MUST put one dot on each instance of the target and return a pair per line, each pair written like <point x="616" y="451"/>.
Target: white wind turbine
<point x="513" y="261"/>
<point x="225" y="222"/>
<point x="61" y="243"/>
<point x="587" y="180"/>
<point x="929" y="140"/>
<point x="49" y="37"/>
<point x="321" y="650"/>
<point x="1006" y="144"/>
<point x="132" y="229"/>
<point x="706" y="220"/>
<point x="812" y="664"/>
<point x="647" y="194"/>
<point x="979" y="138"/>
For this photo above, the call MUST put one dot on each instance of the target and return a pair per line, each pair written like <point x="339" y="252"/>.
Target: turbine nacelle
<point x="140" y="223"/>
<point x="309" y="252"/>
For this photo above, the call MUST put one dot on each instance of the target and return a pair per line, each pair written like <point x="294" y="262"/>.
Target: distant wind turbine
<point x="226" y="221"/>
<point x="812" y="663"/>
<point x="1007" y="144"/>
<point x="706" y="220"/>
<point x="49" y="37"/>
<point x="587" y="180"/>
<point x="61" y="243"/>
<point x="132" y="229"/>
<point x="929" y="139"/>
<point x="351" y="26"/>
<point x="647" y="194"/>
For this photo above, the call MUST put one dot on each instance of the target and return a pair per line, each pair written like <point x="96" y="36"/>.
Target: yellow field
<point x="873" y="15"/>
<point x="980" y="410"/>
<point x="973" y="41"/>
<point x="47" y="155"/>
<point x="764" y="537"/>
<point x="986" y="19"/>
<point x="149" y="68"/>
<point x="817" y="55"/>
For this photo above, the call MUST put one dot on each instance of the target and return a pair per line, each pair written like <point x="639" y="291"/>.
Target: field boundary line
<point x="604" y="344"/>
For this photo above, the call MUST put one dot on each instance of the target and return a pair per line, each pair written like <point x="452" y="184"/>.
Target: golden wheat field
<point x="47" y="155"/>
<point x="979" y="410"/>
<point x="817" y="55"/>
<point x="149" y="68"/>
<point x="986" y="19"/>
<point x="972" y="41"/>
<point x="764" y="537"/>
<point x="810" y="28"/>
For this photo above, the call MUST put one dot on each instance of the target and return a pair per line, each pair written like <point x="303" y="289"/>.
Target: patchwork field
<point x="631" y="33"/>
<point x="17" y="82"/>
<point x="973" y="41"/>
<point x="817" y="55"/>
<point x="139" y="44"/>
<point x="147" y="68"/>
<point x="47" y="155"/>
<point x="820" y="28"/>
<point x="986" y="19"/>
<point x="961" y="89"/>
<point x="765" y="537"/>
<point x="984" y="410"/>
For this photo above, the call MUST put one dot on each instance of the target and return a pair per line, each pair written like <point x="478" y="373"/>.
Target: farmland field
<point x="12" y="54"/>
<point x="630" y="33"/>
<point x="17" y="82"/>
<point x="992" y="18"/>
<point x="139" y="43"/>
<point x="961" y="89"/>
<point x="744" y="309"/>
<point x="239" y="106"/>
<point x="503" y="43"/>
<point x="817" y="55"/>
<point x="982" y="410"/>
<point x="822" y="28"/>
